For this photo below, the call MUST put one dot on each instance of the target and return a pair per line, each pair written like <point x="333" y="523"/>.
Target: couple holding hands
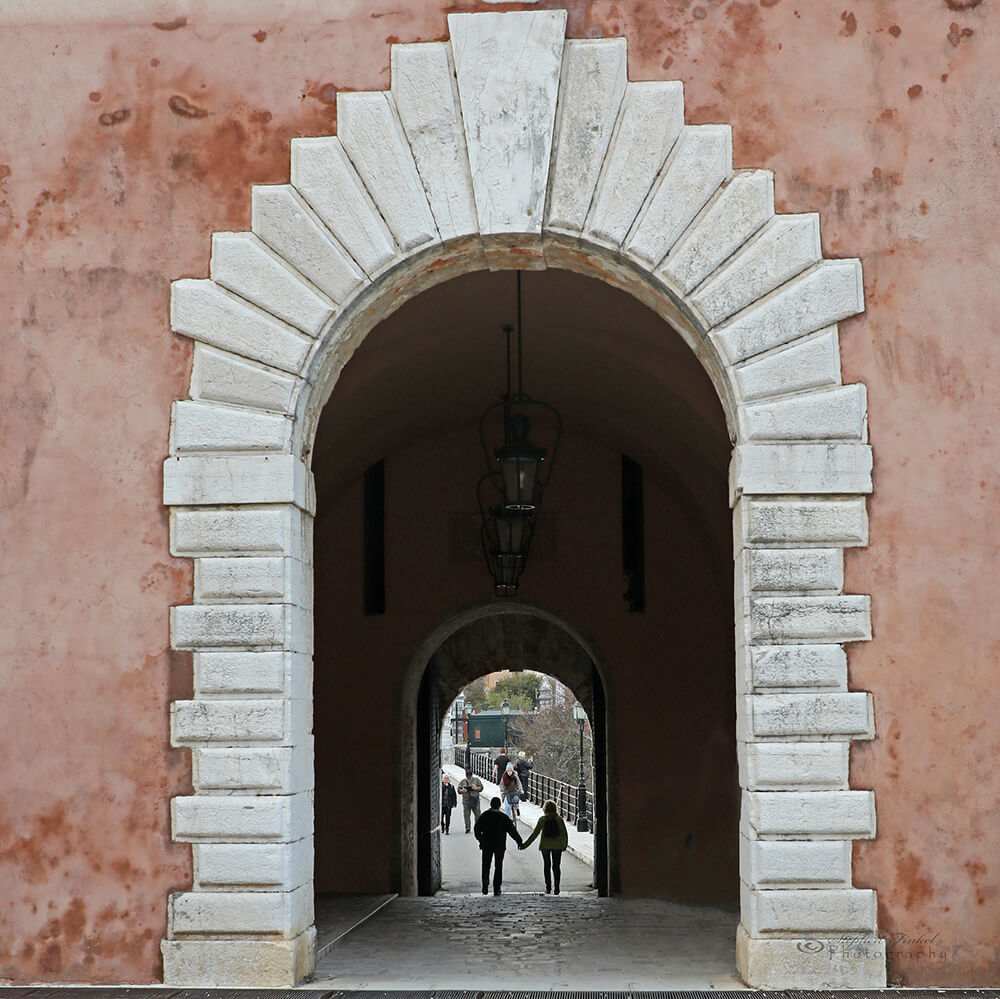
<point x="492" y="829"/>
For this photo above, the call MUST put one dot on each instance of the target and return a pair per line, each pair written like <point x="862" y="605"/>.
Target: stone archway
<point x="523" y="637"/>
<point x="509" y="146"/>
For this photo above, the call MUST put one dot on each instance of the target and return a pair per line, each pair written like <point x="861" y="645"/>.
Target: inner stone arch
<point x="514" y="636"/>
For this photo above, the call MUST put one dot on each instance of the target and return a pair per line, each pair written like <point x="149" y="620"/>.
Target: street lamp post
<point x="505" y="711"/>
<point x="581" y="792"/>
<point x="468" y="740"/>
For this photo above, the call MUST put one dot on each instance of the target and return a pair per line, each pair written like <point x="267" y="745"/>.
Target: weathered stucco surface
<point x="133" y="132"/>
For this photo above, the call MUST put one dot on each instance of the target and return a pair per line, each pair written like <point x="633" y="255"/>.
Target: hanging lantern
<point x="517" y="474"/>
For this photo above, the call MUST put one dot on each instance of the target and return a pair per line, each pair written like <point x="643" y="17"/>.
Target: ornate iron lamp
<point x="517" y="472"/>
<point x="505" y="711"/>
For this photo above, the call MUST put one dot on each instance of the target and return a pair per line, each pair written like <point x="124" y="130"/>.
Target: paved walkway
<point x="527" y="940"/>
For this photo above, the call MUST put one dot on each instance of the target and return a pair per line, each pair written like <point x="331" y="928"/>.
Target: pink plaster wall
<point x="125" y="144"/>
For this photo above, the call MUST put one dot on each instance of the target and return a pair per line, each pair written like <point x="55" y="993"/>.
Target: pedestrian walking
<point x="554" y="840"/>
<point x="510" y="788"/>
<point x="524" y="766"/>
<point x="500" y="765"/>
<point x="448" y="801"/>
<point x="470" y="787"/>
<point x="491" y="830"/>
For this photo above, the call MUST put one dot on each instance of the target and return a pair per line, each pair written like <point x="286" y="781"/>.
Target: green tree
<point x="475" y="695"/>
<point x="520" y="689"/>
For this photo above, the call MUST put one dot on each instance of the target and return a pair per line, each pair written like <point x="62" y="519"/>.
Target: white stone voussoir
<point x="808" y="815"/>
<point x="777" y="666"/>
<point x="232" y="818"/>
<point x="823" y="910"/>
<point x="810" y="620"/>
<point x="200" y="427"/>
<point x="738" y="210"/>
<point x="787" y="716"/>
<point x="210" y="314"/>
<point x="262" y="769"/>
<point x="793" y="766"/>
<point x="284" y="220"/>
<point x="816" y="523"/>
<point x="508" y="66"/>
<point x="279" y="720"/>
<point x="237" y="479"/>
<point x="594" y="76"/>
<point x="810" y="363"/>
<point x="426" y="96"/>
<point x="323" y="174"/>
<point x="372" y="134"/>
<point x="253" y="866"/>
<point x="794" y="569"/>
<point x="773" y="864"/>
<point x="787" y="469"/>
<point x="837" y="414"/>
<point x="219" y="376"/>
<point x="284" y="913"/>
<point x="280" y="529"/>
<point x="825" y="294"/>
<point x="244" y="673"/>
<point x="649" y="120"/>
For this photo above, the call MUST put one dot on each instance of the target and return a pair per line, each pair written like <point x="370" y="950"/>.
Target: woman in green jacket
<point x="554" y="839"/>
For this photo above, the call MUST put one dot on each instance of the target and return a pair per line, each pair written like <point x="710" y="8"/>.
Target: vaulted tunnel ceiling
<point x="615" y="371"/>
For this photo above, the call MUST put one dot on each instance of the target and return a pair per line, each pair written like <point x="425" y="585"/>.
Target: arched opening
<point x="408" y="195"/>
<point x="409" y="399"/>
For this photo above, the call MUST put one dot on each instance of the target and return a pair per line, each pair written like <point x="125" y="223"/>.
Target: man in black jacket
<point x="492" y="829"/>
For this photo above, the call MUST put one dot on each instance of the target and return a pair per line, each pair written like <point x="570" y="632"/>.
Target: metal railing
<point x="541" y="787"/>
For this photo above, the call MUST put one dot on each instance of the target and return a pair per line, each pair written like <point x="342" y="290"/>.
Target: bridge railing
<point x="541" y="787"/>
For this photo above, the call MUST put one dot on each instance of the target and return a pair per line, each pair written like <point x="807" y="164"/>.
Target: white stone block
<point x="798" y="666"/>
<point x="810" y="620"/>
<point x="245" y="672"/>
<point x="208" y="313"/>
<point x="278" y="720"/>
<point x="837" y="715"/>
<point x="259" y="579"/>
<point x="208" y="626"/>
<point x="245" y="962"/>
<point x="231" y="818"/>
<point x="223" y="377"/>
<point x="838" y="414"/>
<point x="426" y="96"/>
<point x="811" y="523"/>
<point x="793" y="766"/>
<point x="253" y="865"/>
<point x="507" y="66"/>
<point x="817" y="910"/>
<point x="792" y="569"/>
<point x="793" y="864"/>
<point x="825" y="294"/>
<point x="851" y="962"/>
<point x="283" y="219"/>
<point x="370" y="130"/>
<point x="224" y="480"/>
<point x="594" y="76"/>
<point x="811" y="363"/>
<point x="248" y="267"/>
<point x="700" y="160"/>
<point x="206" y="426"/>
<point x="773" y="469"/>
<point x="808" y="815"/>
<point x="649" y="121"/>
<point x="284" y="913"/>
<point x="272" y="530"/>
<point x="269" y="769"/>
<point x="784" y="247"/>
<point x="734" y="214"/>
<point x="322" y="172"/>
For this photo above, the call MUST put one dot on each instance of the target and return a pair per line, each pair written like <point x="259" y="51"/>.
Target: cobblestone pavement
<point x="527" y="940"/>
